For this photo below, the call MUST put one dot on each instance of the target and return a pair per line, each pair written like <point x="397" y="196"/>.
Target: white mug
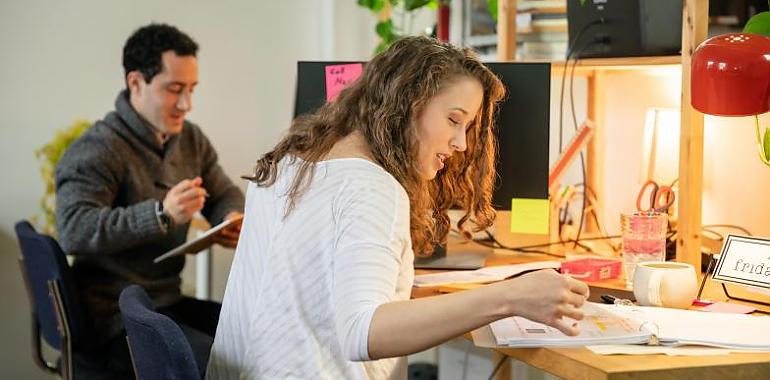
<point x="666" y="284"/>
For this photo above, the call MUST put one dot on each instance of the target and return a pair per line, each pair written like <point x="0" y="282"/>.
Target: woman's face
<point x="442" y="124"/>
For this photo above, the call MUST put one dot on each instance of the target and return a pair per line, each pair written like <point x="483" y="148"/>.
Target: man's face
<point x="165" y="101"/>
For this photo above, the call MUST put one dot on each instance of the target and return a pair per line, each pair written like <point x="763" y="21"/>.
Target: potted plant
<point x="49" y="155"/>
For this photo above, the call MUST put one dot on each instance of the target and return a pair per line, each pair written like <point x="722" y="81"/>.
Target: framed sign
<point x="744" y="260"/>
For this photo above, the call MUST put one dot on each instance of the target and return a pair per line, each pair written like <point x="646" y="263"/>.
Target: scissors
<point x="660" y="198"/>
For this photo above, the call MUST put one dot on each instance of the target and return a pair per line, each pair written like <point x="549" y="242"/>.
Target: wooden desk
<point x="581" y="363"/>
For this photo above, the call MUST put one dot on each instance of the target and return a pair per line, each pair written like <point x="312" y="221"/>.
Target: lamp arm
<point x="760" y="145"/>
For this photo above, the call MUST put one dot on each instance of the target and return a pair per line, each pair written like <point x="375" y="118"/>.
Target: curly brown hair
<point x="383" y="105"/>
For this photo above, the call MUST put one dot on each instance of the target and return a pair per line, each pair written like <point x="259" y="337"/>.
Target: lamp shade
<point x="730" y="75"/>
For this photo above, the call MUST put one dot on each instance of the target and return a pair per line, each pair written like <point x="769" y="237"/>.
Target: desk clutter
<point x="654" y="326"/>
<point x="585" y="269"/>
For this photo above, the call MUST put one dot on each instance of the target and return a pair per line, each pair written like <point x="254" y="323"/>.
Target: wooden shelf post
<point x="506" y="30"/>
<point x="688" y="247"/>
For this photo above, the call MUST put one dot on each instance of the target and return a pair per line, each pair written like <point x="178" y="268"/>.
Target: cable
<point x="733" y="226"/>
<point x="574" y="122"/>
<point x="570" y="50"/>
<point x="497" y="367"/>
<point x="498" y="244"/>
<point x="528" y="248"/>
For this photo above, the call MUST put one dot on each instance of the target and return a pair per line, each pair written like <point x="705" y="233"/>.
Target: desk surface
<point x="581" y="363"/>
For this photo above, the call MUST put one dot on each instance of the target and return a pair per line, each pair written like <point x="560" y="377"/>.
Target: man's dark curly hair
<point x="143" y="50"/>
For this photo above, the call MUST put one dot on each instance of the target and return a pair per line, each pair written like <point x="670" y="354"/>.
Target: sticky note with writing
<point x="340" y="76"/>
<point x="529" y="216"/>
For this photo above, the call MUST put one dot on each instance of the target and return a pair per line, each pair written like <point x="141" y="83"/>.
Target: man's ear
<point x="135" y="81"/>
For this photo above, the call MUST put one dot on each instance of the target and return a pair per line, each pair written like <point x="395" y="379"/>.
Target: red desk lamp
<point x="730" y="76"/>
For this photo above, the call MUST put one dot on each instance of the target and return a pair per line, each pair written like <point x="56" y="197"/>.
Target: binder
<point x="617" y="324"/>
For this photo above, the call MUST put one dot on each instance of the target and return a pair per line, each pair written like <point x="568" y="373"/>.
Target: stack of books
<point x="541" y="30"/>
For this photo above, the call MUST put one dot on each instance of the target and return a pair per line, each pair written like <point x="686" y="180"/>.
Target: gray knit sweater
<point x="107" y="184"/>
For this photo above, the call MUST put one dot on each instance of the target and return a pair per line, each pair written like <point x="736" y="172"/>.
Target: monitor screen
<point x="522" y="132"/>
<point x="522" y="124"/>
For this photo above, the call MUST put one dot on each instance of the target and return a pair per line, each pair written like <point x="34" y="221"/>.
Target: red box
<point x="592" y="269"/>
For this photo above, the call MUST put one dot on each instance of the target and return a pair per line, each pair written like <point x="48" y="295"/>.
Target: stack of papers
<point x="483" y="275"/>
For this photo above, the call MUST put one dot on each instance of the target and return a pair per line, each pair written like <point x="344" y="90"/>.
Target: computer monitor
<point x="522" y="132"/>
<point x="624" y="28"/>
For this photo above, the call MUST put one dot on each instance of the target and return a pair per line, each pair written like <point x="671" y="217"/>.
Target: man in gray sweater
<point x="126" y="191"/>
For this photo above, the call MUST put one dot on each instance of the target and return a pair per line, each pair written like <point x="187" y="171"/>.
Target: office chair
<point x="56" y="314"/>
<point x="159" y="349"/>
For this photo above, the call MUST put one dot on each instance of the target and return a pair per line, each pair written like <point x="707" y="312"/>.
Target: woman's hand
<point x="547" y="297"/>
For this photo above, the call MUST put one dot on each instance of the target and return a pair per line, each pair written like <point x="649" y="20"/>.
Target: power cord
<point x="497" y="367"/>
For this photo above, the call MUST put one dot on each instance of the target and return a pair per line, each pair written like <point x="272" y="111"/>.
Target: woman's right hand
<point x="546" y="296"/>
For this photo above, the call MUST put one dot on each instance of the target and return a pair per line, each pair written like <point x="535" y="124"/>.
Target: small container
<point x="592" y="269"/>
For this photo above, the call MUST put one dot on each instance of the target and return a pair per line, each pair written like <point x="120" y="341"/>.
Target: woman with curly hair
<point x="321" y="280"/>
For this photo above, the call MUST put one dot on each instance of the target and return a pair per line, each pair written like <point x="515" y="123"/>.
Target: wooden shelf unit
<point x="694" y="31"/>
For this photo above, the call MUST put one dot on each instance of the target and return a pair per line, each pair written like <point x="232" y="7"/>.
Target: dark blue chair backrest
<point x="159" y="348"/>
<point x="45" y="261"/>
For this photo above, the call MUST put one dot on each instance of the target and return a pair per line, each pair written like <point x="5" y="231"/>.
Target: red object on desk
<point x="591" y="269"/>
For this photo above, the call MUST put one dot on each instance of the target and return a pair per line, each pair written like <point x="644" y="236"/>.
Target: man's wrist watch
<point x="163" y="218"/>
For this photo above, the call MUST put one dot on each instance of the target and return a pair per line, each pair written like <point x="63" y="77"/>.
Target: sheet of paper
<point x="483" y="275"/>
<point x="642" y="349"/>
<point x="340" y="76"/>
<point x="726" y="307"/>
<point x="681" y="327"/>
<point x="529" y="216"/>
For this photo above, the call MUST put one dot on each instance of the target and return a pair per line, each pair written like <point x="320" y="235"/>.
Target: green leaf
<point x="758" y="24"/>
<point x="374" y="5"/>
<point x="492" y="7"/>
<point x="384" y="29"/>
<point x="766" y="144"/>
<point x="381" y="47"/>
<point x="411" y="5"/>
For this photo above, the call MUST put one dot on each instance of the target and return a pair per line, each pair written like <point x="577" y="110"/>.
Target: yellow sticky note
<point x="529" y="216"/>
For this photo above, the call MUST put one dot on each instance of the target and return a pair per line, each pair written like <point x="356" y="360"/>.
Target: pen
<point x="167" y="187"/>
<point x="701" y="302"/>
<point x="612" y="300"/>
<point x="608" y="298"/>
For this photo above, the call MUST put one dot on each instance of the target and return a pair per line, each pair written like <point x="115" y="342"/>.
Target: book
<point x="201" y="242"/>
<point x="482" y="275"/>
<point x="616" y="324"/>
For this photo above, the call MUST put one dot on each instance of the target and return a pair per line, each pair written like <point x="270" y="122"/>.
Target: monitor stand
<point x="457" y="259"/>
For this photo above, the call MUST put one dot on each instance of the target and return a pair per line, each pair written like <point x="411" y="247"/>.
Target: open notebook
<point x="615" y="324"/>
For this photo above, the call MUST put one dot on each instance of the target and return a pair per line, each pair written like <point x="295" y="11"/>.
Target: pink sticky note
<point x="340" y="76"/>
<point x="725" y="307"/>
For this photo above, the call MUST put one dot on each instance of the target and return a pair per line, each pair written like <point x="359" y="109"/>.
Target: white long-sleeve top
<point x="303" y="289"/>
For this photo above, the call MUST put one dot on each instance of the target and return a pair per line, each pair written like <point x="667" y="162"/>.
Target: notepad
<point x="482" y="275"/>
<point x="200" y="243"/>
<point x="616" y="324"/>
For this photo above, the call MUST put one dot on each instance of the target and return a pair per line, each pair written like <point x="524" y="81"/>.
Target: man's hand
<point x="228" y="236"/>
<point x="185" y="199"/>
